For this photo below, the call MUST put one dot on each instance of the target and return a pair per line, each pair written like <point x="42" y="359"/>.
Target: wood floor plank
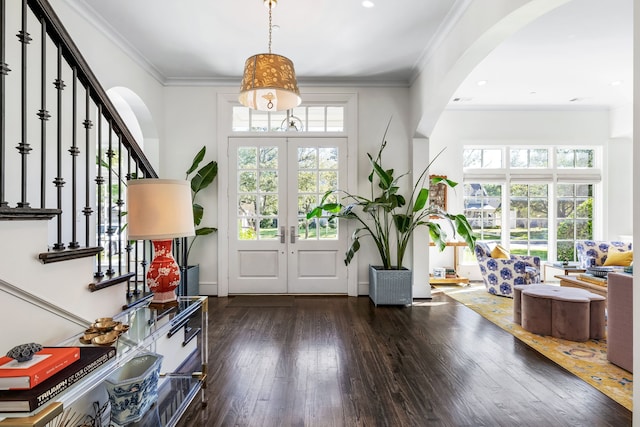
<point x="338" y="361"/>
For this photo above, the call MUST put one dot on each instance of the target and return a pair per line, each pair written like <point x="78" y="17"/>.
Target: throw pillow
<point x="619" y="258"/>
<point x="499" y="252"/>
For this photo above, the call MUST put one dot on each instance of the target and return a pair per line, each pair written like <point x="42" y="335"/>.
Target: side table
<point x="449" y="281"/>
<point x="553" y="269"/>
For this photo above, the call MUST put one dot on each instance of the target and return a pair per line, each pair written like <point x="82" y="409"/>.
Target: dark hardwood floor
<point x="338" y="361"/>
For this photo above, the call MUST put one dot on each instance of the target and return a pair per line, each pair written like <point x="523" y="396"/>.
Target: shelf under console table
<point x="178" y="333"/>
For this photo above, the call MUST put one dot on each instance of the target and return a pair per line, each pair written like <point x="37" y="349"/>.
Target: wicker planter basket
<point x="390" y="287"/>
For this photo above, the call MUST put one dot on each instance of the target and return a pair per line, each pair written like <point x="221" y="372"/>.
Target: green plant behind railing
<point x="201" y="180"/>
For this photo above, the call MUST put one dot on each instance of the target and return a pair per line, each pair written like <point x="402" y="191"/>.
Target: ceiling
<point x="579" y="55"/>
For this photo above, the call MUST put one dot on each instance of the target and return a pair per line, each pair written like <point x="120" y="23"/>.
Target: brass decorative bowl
<point x="104" y="326"/>
<point x="121" y="328"/>
<point x="88" y="337"/>
<point x="106" y="339"/>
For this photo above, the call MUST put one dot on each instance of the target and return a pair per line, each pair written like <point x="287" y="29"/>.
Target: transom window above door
<point x="306" y="118"/>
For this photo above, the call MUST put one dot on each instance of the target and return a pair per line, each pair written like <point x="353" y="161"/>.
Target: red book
<point x="91" y="358"/>
<point x="16" y="375"/>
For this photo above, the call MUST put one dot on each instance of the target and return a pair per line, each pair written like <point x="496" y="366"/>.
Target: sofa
<point x="620" y="320"/>
<point x="593" y="253"/>
<point x="501" y="275"/>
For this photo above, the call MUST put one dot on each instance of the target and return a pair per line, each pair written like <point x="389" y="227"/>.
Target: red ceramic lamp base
<point x="163" y="276"/>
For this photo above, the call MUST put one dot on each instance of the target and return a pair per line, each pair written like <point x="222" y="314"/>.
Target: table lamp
<point x="160" y="210"/>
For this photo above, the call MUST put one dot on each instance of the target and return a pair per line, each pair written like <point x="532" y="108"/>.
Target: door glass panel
<point x="268" y="228"/>
<point x="328" y="158"/>
<point x="269" y="205"/>
<point x="307" y="158"/>
<point x="247" y="217"/>
<point x="317" y="174"/>
<point x="268" y="157"/>
<point x="268" y="181"/>
<point x="318" y="228"/>
<point x="257" y="193"/>
<point x="328" y="181"/>
<point x="307" y="182"/>
<point x="247" y="158"/>
<point x="247" y="181"/>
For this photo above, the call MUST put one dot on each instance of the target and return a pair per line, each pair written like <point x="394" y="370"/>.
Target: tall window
<point x="529" y="233"/>
<point x="482" y="207"/>
<point x="543" y="197"/>
<point x="574" y="213"/>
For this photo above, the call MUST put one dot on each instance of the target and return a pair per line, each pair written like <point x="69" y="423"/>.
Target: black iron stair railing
<point x="65" y="159"/>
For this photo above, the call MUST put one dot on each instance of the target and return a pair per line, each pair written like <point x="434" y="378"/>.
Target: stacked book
<point x="450" y="273"/>
<point x="590" y="278"/>
<point x="26" y="386"/>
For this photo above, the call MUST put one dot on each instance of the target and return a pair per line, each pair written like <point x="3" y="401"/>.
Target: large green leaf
<point x="438" y="236"/>
<point x="464" y="229"/>
<point x="197" y="159"/>
<point x="403" y="222"/>
<point x="385" y="178"/>
<point x="198" y="212"/>
<point x="204" y="177"/>
<point x="205" y="231"/>
<point x="421" y="200"/>
<point x="351" y="252"/>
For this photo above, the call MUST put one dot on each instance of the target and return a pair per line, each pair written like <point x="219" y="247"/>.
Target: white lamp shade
<point x="159" y="209"/>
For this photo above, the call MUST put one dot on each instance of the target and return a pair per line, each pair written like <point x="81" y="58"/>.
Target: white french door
<point x="273" y="183"/>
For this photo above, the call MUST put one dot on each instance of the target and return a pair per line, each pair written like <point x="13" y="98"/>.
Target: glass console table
<point x="178" y="333"/>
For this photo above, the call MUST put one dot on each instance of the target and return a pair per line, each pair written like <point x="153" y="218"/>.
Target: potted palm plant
<point x="201" y="178"/>
<point x="389" y="219"/>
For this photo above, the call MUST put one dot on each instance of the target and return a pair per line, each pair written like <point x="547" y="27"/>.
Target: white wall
<point x="457" y="128"/>
<point x="190" y="124"/>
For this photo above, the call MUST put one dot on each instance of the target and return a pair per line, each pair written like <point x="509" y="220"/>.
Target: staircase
<point x="65" y="159"/>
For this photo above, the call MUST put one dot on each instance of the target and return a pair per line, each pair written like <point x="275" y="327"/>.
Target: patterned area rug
<point x="587" y="360"/>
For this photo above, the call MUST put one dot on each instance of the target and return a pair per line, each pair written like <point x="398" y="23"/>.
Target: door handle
<point x="293" y="234"/>
<point x="282" y="235"/>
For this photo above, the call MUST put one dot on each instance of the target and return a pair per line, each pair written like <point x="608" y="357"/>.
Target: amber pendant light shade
<point x="269" y="80"/>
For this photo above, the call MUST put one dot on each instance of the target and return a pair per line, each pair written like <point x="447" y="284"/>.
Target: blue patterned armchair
<point x="500" y="275"/>
<point x="594" y="253"/>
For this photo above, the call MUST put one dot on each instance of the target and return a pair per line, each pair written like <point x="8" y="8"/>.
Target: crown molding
<point x="93" y="18"/>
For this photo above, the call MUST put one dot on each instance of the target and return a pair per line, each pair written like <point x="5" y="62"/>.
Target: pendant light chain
<point x="269" y="26"/>
<point x="269" y="80"/>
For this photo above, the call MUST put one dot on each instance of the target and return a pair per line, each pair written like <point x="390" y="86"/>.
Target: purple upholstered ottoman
<point x="569" y="313"/>
<point x="517" y="298"/>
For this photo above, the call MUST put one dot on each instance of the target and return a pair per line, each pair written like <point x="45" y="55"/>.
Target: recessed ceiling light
<point x="481" y="82"/>
<point x="533" y="92"/>
<point x="368" y="4"/>
<point x="616" y="83"/>
<point x="275" y="27"/>
<point x="574" y="99"/>
<point x="462" y="99"/>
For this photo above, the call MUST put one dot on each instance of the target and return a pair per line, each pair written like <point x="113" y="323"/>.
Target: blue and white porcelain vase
<point x="133" y="388"/>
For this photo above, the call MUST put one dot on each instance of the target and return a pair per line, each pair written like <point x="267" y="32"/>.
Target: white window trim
<point x="551" y="175"/>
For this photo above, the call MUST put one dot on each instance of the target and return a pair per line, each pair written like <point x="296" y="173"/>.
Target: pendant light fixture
<point x="269" y="80"/>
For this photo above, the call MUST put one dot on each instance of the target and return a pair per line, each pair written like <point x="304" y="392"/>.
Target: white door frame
<point x="225" y="104"/>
